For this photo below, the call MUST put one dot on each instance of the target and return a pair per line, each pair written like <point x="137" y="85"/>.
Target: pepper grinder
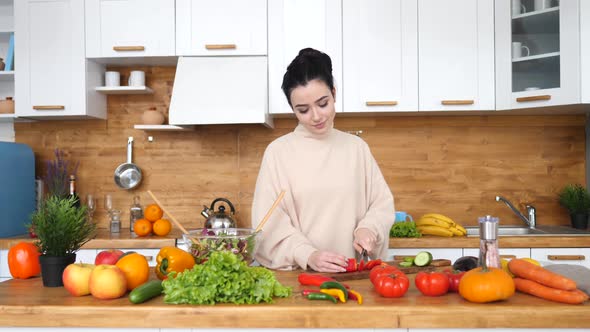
<point x="488" y="241"/>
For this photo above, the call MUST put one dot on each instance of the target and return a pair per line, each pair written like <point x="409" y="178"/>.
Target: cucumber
<point x="422" y="258"/>
<point x="406" y="264"/>
<point x="409" y="259"/>
<point x="146" y="291"/>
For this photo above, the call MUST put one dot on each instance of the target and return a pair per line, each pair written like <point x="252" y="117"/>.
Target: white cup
<point x="112" y="78"/>
<point x="136" y="78"/>
<point x="517" y="7"/>
<point x="542" y="4"/>
<point x="517" y="48"/>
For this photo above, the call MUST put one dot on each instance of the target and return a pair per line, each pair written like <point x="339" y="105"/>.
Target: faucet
<point x="531" y="221"/>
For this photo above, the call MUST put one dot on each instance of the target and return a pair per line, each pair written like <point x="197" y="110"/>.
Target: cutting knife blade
<point x="364" y="256"/>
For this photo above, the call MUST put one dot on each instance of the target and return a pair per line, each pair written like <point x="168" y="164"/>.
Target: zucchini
<point x="422" y="258"/>
<point x="146" y="291"/>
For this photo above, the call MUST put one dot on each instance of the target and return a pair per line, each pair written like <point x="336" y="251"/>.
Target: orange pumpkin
<point x="483" y="285"/>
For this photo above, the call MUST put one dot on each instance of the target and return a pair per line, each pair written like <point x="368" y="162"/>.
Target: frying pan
<point x="128" y="175"/>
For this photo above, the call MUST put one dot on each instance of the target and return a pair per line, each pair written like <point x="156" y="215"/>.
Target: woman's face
<point x="313" y="105"/>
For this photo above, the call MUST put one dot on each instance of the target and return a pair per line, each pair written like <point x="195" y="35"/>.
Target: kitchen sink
<point x="510" y="230"/>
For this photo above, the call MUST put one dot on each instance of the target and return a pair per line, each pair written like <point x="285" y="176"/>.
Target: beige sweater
<point x="333" y="186"/>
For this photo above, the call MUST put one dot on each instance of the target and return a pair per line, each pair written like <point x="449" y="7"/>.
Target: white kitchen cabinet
<point x="222" y="27"/>
<point x="4" y="270"/>
<point x="585" y="49"/>
<point x="437" y="253"/>
<point x="6" y="30"/>
<point x="149" y="254"/>
<point x="380" y="55"/>
<point x="297" y="24"/>
<point x="544" y="68"/>
<point x="456" y="55"/>
<point x="86" y="256"/>
<point x="129" y="28"/>
<point x="54" y="78"/>
<point x="576" y="256"/>
<point x="220" y="90"/>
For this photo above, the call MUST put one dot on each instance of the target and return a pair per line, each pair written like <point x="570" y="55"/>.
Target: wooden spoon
<point x="269" y="213"/>
<point x="171" y="216"/>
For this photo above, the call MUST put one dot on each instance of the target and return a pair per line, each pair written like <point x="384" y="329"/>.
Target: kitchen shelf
<point x="536" y="13"/>
<point x="163" y="128"/>
<point x="124" y="90"/>
<point x="6" y="30"/>
<point x="7" y="75"/>
<point x="536" y="57"/>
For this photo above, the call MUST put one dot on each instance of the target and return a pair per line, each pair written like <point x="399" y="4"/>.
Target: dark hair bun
<point x="309" y="64"/>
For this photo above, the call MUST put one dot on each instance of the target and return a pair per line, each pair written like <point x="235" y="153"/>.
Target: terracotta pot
<point x="152" y="117"/>
<point x="7" y="106"/>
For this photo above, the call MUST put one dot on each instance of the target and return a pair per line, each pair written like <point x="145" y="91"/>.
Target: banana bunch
<point x="439" y="225"/>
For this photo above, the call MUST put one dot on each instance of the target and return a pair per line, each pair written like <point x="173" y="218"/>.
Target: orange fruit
<point x="142" y="227"/>
<point x="136" y="269"/>
<point x="162" y="227"/>
<point x="153" y="212"/>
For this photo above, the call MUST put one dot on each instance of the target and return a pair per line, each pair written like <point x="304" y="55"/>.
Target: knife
<point x="364" y="256"/>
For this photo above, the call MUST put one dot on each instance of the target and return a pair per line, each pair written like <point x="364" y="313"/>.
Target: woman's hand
<point x="325" y="261"/>
<point x="364" y="239"/>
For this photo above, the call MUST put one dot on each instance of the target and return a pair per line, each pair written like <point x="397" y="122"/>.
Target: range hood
<point x="220" y="90"/>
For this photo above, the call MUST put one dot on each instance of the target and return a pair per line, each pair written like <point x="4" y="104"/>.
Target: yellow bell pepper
<point x="172" y="259"/>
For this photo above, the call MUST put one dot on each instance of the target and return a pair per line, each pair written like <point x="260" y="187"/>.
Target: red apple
<point x="107" y="282"/>
<point x="109" y="257"/>
<point x="76" y="278"/>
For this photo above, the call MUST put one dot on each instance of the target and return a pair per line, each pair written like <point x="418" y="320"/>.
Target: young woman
<point x="337" y="201"/>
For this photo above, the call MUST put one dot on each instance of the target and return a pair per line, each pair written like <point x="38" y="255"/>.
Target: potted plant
<point x="61" y="230"/>
<point x="576" y="199"/>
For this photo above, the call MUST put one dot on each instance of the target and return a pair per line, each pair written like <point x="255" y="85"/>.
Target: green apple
<point x="76" y="278"/>
<point x="107" y="282"/>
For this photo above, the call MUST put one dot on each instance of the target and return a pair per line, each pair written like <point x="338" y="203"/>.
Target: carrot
<point x="575" y="296"/>
<point x="530" y="271"/>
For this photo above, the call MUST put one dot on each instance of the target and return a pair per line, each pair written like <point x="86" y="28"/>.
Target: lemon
<point x="530" y="260"/>
<point x="504" y="263"/>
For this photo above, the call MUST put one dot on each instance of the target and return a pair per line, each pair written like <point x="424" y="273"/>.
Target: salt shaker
<point x="488" y="241"/>
<point x="115" y="221"/>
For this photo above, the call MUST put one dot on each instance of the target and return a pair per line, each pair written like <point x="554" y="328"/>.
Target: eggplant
<point x="466" y="263"/>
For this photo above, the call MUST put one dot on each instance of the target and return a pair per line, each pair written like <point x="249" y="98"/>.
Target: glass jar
<point x="115" y="221"/>
<point x="488" y="242"/>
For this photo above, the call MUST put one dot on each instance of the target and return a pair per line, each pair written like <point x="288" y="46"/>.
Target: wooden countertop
<point x="125" y="240"/>
<point x="28" y="303"/>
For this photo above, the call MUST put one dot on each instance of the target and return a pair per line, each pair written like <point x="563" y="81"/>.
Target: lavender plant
<point x="57" y="174"/>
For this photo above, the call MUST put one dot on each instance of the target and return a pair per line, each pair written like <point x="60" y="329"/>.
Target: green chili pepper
<point x="321" y="296"/>
<point x="337" y="285"/>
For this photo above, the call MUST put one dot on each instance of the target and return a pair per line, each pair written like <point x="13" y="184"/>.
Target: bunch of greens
<point x="223" y="278"/>
<point x="404" y="229"/>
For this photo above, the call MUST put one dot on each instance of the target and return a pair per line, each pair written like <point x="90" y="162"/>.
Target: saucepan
<point x="128" y="175"/>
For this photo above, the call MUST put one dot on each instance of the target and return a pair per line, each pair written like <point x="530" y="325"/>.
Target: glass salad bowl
<point x="202" y="242"/>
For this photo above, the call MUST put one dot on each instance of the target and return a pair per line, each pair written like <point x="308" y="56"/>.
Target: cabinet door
<point x="585" y="49"/>
<point x="86" y="256"/>
<point x="54" y="79"/>
<point x="577" y="256"/>
<point x="437" y="253"/>
<point x="297" y="24"/>
<point x="537" y="54"/>
<point x="456" y="54"/>
<point x="129" y="28"/>
<point x="149" y="254"/>
<point x="221" y="27"/>
<point x="380" y="55"/>
<point x="220" y="90"/>
<point x="4" y="270"/>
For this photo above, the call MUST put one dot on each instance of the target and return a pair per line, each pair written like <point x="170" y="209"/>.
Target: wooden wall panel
<point x="453" y="165"/>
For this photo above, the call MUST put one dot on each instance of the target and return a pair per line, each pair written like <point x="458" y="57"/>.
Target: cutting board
<point x="434" y="265"/>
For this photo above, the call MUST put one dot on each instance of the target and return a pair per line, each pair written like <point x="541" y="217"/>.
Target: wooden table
<point x="28" y="303"/>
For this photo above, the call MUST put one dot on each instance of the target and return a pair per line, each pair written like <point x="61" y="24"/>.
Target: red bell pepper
<point x="352" y="265"/>
<point x="308" y="279"/>
<point x="372" y="264"/>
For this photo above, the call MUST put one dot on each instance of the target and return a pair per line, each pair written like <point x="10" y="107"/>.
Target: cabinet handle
<point x="508" y="256"/>
<point x="566" y="257"/>
<point x="49" y="107"/>
<point x="381" y="103"/>
<point x="533" y="98"/>
<point x="220" y="46"/>
<point x="457" y="102"/>
<point x="148" y="258"/>
<point x="128" y="48"/>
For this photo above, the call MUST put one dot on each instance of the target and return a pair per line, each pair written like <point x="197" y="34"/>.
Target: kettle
<point x="219" y="218"/>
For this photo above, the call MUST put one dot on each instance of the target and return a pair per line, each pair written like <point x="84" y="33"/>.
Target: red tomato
<point x="433" y="283"/>
<point x="379" y="270"/>
<point x="454" y="278"/>
<point x="393" y="284"/>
